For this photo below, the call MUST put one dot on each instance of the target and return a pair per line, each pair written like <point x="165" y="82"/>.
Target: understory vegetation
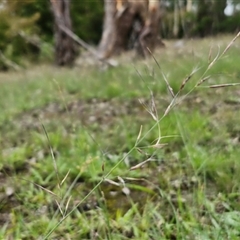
<point x="88" y="153"/>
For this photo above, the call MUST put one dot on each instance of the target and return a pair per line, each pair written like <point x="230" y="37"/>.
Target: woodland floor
<point x="65" y="130"/>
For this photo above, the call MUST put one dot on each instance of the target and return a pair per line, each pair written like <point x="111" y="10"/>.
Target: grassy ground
<point x="66" y="133"/>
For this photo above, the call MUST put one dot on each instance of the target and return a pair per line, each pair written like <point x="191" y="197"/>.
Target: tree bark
<point x="65" y="51"/>
<point x="129" y="24"/>
<point x="109" y="30"/>
<point x="150" y="33"/>
<point x="189" y="6"/>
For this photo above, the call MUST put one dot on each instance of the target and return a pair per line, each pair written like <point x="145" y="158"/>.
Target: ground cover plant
<point x="65" y="131"/>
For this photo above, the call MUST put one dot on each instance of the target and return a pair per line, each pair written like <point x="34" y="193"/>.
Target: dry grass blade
<point x="43" y="188"/>
<point x="168" y="85"/>
<point x="59" y="207"/>
<point x="164" y="77"/>
<point x="169" y="107"/>
<point x="140" y="165"/>
<point x="153" y="116"/>
<point x="224" y="51"/>
<point x="141" y="151"/>
<point x="185" y="81"/>
<point x="154" y="58"/>
<point x="121" y="180"/>
<point x="223" y="85"/>
<point x="203" y="80"/>
<point x="214" y="60"/>
<point x="64" y="178"/>
<point x="134" y="179"/>
<point x="230" y="44"/>
<point x="112" y="182"/>
<point x="149" y="111"/>
<point x="153" y="106"/>
<point x="159" y="145"/>
<point x="67" y="204"/>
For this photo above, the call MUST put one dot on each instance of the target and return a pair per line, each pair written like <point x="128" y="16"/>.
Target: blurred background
<point x="27" y="28"/>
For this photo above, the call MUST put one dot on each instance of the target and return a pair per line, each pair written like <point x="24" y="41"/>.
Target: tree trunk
<point x="109" y="30"/>
<point x="65" y="51"/>
<point x="150" y="33"/>
<point x="129" y="24"/>
<point x="189" y="6"/>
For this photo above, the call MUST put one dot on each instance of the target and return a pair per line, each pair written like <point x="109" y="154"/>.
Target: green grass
<point x="93" y="118"/>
